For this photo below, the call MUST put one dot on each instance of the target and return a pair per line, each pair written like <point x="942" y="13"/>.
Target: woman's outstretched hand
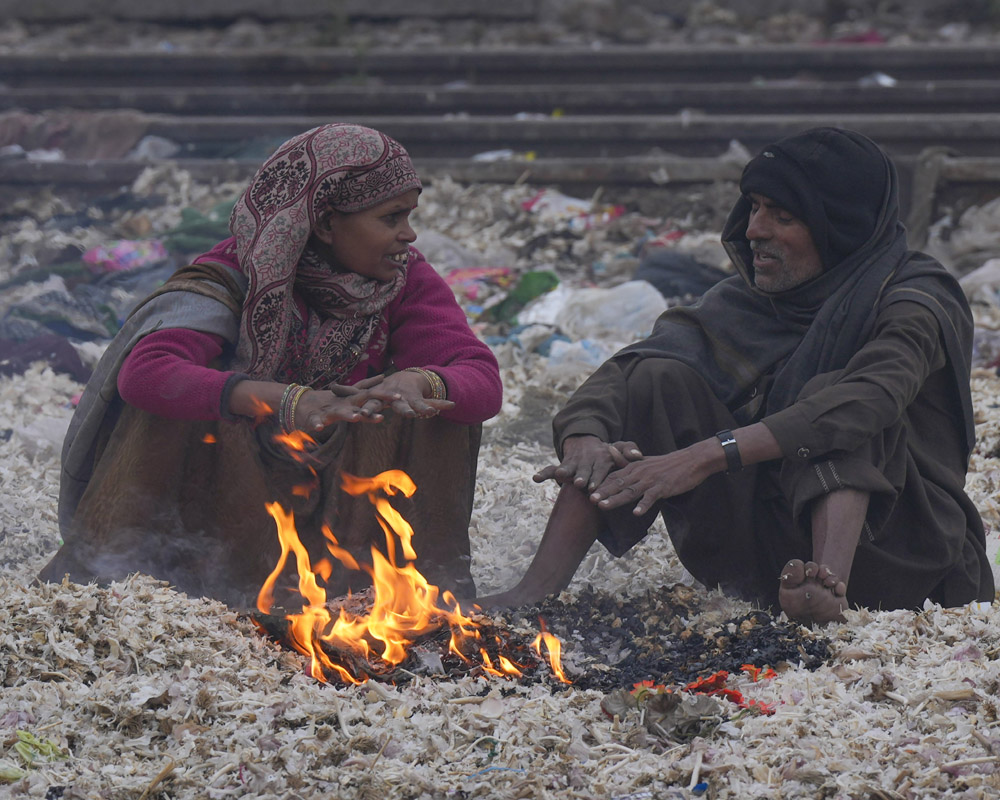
<point x="407" y="394"/>
<point x="318" y="409"/>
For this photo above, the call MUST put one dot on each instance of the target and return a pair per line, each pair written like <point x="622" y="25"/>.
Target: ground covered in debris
<point x="136" y="691"/>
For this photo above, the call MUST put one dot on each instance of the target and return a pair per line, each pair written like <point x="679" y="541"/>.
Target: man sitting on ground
<point x="805" y="429"/>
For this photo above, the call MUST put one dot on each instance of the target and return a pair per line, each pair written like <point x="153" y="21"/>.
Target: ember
<point x="648" y="638"/>
<point x="354" y="647"/>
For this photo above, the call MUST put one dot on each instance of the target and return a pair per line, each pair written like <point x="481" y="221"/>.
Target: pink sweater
<point x="168" y="373"/>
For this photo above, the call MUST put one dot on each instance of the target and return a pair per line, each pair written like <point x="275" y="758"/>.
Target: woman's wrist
<point x="436" y="384"/>
<point x="255" y="399"/>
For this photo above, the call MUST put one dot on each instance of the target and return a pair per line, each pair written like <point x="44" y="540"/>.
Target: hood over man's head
<point x="832" y="179"/>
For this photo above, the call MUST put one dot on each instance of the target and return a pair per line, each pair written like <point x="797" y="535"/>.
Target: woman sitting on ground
<point x="317" y="316"/>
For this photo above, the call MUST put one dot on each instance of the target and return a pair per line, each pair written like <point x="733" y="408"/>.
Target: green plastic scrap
<point x="31" y="749"/>
<point x="198" y="232"/>
<point x="9" y="773"/>
<point x="531" y="285"/>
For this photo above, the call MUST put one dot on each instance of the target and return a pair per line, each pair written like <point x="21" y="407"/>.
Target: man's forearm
<point x="755" y="442"/>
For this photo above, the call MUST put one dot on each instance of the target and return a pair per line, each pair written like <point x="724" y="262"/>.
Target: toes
<point x="827" y="577"/>
<point x="810" y="568"/>
<point x="793" y="574"/>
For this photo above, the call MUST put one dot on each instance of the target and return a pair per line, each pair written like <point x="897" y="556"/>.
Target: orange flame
<point x="553" y="645"/>
<point x="405" y="605"/>
<point x="261" y="410"/>
<point x="389" y="519"/>
<point x="298" y="444"/>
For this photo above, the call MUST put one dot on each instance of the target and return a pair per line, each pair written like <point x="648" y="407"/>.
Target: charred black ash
<point x="627" y="640"/>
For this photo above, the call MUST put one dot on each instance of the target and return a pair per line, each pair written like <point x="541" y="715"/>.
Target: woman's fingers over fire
<point x="417" y="406"/>
<point x="381" y="394"/>
<point x="368" y="383"/>
<point x="340" y="390"/>
<point x="372" y="402"/>
<point x="361" y="387"/>
<point x="318" y="410"/>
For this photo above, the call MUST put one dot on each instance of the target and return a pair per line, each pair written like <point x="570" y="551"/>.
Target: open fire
<point x="352" y="647"/>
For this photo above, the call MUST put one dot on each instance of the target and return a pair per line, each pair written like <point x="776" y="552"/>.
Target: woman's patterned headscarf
<point x="339" y="166"/>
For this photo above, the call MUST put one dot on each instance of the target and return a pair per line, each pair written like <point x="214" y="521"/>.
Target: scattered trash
<point x="955" y="32"/>
<point x="197" y="232"/>
<point x="736" y="153"/>
<point x="586" y="354"/>
<point x="154" y="148"/>
<point x="681" y="713"/>
<point x="877" y="79"/>
<point x="124" y="255"/>
<point x="48" y="154"/>
<point x="494" y="155"/>
<point x="447" y="255"/>
<point x="982" y="284"/>
<point x="16" y="356"/>
<point x="968" y="242"/>
<point x="529" y="286"/>
<point x="84" y="313"/>
<point x="621" y="314"/>
<point x="985" y="348"/>
<point x="552" y="205"/>
<point x="43" y="436"/>
<point x="677" y="275"/>
<point x="478" y="284"/>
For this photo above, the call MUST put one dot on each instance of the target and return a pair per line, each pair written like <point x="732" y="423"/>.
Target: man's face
<point x="784" y="254"/>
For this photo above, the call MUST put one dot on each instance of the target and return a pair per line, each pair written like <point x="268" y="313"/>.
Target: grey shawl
<point x="204" y="297"/>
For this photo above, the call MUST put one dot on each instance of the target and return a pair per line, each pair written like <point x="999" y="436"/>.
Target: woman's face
<point x="374" y="242"/>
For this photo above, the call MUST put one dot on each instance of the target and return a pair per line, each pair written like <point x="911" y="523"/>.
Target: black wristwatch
<point x="733" y="461"/>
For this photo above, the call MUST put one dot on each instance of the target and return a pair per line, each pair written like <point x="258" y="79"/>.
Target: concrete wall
<point x="204" y="10"/>
<point x="739" y="10"/>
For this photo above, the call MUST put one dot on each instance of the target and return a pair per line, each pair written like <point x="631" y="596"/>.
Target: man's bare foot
<point x="811" y="592"/>
<point x="512" y="598"/>
<point x="496" y="602"/>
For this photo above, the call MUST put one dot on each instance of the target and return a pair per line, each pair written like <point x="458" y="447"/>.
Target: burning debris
<point x="491" y="651"/>
<point x="403" y="626"/>
<point x="376" y="642"/>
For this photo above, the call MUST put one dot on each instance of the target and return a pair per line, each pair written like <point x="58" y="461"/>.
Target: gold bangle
<point x="439" y="391"/>
<point x="283" y="407"/>
<point x="293" y="404"/>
